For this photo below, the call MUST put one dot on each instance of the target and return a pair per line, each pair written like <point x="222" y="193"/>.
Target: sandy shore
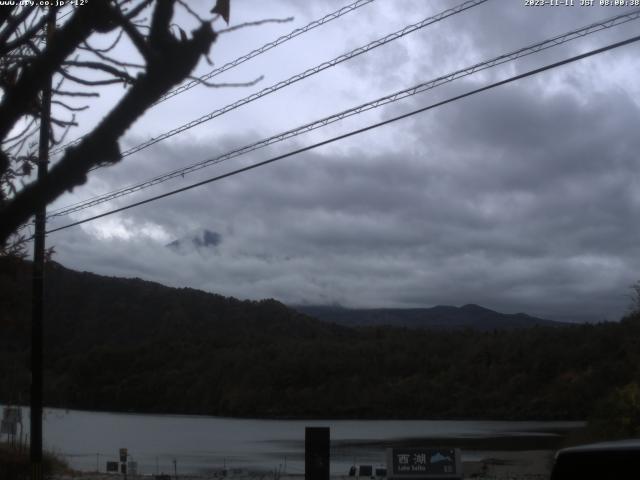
<point x="516" y="465"/>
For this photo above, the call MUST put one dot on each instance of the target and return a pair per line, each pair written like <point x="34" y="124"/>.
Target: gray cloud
<point x="519" y="199"/>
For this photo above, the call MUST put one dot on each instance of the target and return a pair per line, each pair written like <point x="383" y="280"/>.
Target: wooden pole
<point x="37" y="311"/>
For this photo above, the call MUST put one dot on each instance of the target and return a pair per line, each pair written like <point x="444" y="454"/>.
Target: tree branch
<point x="255" y="24"/>
<point x="124" y="76"/>
<point x="69" y="107"/>
<point x="101" y="145"/>
<point x="18" y="98"/>
<point x="66" y="93"/>
<point x="85" y="45"/>
<point x="134" y="35"/>
<point x="106" y="58"/>
<point x="12" y="24"/>
<point x="89" y="83"/>
<point x="250" y="83"/>
<point x="24" y="37"/>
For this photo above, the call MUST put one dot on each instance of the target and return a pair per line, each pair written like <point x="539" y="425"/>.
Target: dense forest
<point x="132" y="345"/>
<point x="438" y="317"/>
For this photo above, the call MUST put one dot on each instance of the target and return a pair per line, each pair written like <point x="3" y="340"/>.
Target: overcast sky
<point x="521" y="199"/>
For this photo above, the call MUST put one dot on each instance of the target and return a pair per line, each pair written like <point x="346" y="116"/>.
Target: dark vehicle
<point x="617" y="460"/>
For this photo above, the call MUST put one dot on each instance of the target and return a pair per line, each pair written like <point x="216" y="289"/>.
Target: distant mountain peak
<point x="439" y="317"/>
<point x="209" y="239"/>
<point x="200" y="240"/>
<point x="470" y="307"/>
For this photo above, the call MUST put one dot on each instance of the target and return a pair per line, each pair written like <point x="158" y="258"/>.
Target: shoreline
<point x="493" y="465"/>
<point x="490" y="449"/>
<point x="309" y="418"/>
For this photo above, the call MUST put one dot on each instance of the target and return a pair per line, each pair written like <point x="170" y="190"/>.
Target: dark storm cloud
<point x="507" y="210"/>
<point x="552" y="153"/>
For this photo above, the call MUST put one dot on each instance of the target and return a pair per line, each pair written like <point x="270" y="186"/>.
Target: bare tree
<point x="168" y="56"/>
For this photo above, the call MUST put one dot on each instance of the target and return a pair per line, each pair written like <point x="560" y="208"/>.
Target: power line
<point x="300" y="76"/>
<point x="422" y="87"/>
<point x="266" y="47"/>
<point x="358" y="51"/>
<point x="240" y="60"/>
<point x="358" y="131"/>
<point x="307" y="73"/>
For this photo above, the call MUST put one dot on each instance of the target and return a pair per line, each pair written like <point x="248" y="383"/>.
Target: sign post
<point x="123" y="462"/>
<point x="316" y="453"/>
<point x="424" y="463"/>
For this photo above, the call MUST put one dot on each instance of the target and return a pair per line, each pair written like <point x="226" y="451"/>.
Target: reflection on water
<point x="198" y="443"/>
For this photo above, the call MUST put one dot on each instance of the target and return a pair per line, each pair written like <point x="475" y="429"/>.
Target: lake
<point x="201" y="444"/>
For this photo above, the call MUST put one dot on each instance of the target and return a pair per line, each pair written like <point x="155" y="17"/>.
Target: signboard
<point x="415" y="463"/>
<point x="316" y="453"/>
<point x="112" y="467"/>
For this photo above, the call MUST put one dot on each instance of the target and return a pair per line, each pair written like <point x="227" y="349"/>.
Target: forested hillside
<point x="132" y="345"/>
<point x="440" y="316"/>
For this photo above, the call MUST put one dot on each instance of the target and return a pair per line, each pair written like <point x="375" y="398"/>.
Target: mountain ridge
<point x="438" y="317"/>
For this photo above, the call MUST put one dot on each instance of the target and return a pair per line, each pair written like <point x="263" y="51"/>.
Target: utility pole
<point x="38" y="277"/>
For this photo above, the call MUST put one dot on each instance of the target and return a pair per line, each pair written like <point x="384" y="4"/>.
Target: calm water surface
<point x="202" y="444"/>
